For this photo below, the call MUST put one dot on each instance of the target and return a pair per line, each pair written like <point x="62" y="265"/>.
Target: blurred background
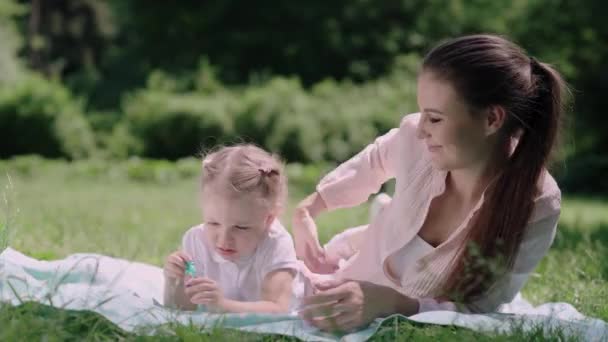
<point x="314" y="81"/>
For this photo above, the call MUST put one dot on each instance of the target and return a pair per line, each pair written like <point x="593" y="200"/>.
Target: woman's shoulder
<point x="412" y="156"/>
<point x="409" y="121"/>
<point x="407" y="129"/>
<point x="408" y="126"/>
<point x="548" y="185"/>
<point x="547" y="202"/>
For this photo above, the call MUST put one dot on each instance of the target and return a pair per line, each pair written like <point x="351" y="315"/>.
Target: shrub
<point x="40" y="116"/>
<point x="168" y="125"/>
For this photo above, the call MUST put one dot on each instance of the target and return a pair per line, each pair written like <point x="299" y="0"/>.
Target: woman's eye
<point x="214" y="224"/>
<point x="434" y="120"/>
<point x="241" y="227"/>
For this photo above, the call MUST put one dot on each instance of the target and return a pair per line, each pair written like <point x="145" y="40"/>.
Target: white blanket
<point x="129" y="293"/>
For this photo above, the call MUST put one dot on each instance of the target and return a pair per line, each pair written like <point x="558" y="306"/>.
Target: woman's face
<point x="454" y="137"/>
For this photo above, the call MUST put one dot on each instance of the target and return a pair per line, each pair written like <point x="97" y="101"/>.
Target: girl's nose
<point x="224" y="237"/>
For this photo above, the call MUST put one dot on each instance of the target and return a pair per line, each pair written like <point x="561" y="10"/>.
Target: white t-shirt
<point x="242" y="280"/>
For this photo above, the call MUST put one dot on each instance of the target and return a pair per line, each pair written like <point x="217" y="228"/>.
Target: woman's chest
<point x="445" y="215"/>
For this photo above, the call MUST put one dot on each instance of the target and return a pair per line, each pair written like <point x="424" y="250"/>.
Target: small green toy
<point x="190" y="269"/>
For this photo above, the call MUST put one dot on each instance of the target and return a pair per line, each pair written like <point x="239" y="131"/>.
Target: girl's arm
<point x="276" y="295"/>
<point x="174" y="295"/>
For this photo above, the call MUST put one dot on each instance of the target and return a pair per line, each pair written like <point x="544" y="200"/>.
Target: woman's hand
<point x="205" y="291"/>
<point x="344" y="305"/>
<point x="307" y="244"/>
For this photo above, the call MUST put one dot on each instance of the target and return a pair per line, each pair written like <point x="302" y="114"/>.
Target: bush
<point x="176" y="117"/>
<point x="40" y="116"/>
<point x="168" y="125"/>
<point x="278" y="116"/>
<point x="331" y="121"/>
<point x="305" y="177"/>
<point x="10" y="66"/>
<point x="31" y="165"/>
<point x="120" y="143"/>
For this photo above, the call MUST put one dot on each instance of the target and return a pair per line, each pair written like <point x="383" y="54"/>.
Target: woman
<point x="474" y="208"/>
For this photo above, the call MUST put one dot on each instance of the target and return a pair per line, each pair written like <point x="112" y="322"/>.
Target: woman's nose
<point x="421" y="132"/>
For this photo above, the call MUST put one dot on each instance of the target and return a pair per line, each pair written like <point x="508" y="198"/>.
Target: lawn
<point x="140" y="212"/>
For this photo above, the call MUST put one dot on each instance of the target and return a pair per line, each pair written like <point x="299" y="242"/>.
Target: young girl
<point x="244" y="258"/>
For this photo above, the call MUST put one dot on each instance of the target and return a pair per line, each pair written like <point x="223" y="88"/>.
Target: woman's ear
<point x="495" y="118"/>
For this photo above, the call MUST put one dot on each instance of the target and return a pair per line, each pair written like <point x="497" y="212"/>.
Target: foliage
<point x="41" y="116"/>
<point x="331" y="121"/>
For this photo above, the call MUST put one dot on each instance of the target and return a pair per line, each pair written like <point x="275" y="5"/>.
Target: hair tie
<point x="267" y="171"/>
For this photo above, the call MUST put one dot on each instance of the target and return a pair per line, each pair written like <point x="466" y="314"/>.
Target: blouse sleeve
<point x="352" y="182"/>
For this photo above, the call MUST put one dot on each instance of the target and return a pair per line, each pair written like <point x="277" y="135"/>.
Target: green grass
<point x="54" y="210"/>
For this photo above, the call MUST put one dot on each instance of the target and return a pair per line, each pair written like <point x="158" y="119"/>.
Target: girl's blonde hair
<point x="247" y="169"/>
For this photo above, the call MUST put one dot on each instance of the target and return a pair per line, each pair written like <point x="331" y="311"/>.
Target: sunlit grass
<point x="55" y="212"/>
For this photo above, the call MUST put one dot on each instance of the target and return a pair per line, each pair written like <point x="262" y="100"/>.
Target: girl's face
<point x="454" y="137"/>
<point x="235" y="224"/>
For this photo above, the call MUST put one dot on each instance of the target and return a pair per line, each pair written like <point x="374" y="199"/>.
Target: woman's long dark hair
<point x="489" y="70"/>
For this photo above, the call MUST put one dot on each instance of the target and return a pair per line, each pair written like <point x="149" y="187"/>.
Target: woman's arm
<point x="343" y="305"/>
<point x="348" y="185"/>
<point x="312" y="205"/>
<point x="345" y="244"/>
<point x="353" y="181"/>
<point x="306" y="236"/>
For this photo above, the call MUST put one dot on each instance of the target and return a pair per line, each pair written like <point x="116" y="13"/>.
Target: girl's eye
<point x="241" y="227"/>
<point x="214" y="224"/>
<point x="433" y="120"/>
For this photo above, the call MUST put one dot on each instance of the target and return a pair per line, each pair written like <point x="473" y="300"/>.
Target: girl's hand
<point x="175" y="265"/>
<point x="344" y="305"/>
<point x="204" y="291"/>
<point x="307" y="244"/>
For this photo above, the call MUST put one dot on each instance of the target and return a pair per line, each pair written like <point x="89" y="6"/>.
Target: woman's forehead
<point x="434" y="91"/>
<point x="438" y="95"/>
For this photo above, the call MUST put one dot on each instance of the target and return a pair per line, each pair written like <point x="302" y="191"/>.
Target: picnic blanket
<point x="129" y="294"/>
